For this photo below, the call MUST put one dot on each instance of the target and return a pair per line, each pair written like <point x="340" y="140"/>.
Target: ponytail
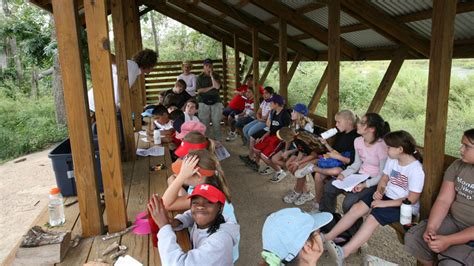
<point x="382" y="128"/>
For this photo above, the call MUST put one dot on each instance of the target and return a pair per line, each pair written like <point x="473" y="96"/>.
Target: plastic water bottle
<point x="157" y="136"/>
<point x="329" y="133"/>
<point x="56" y="207"/>
<point x="406" y="211"/>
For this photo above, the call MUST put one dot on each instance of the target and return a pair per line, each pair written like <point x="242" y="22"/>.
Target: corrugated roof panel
<point x="463" y="26"/>
<point x="422" y="27"/>
<point x="179" y="9"/>
<point x="235" y="22"/>
<point x="209" y="9"/>
<point x="320" y="16"/>
<point x="264" y="37"/>
<point x="313" y="43"/>
<point x="397" y="8"/>
<point x="290" y="30"/>
<point x="296" y="4"/>
<point x="233" y="2"/>
<point x="257" y="12"/>
<point x="366" y="39"/>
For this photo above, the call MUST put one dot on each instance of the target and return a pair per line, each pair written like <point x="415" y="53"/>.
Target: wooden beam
<point x="236" y="60"/>
<point x="442" y="29"/>
<point x="334" y="57"/>
<point x="215" y="20"/>
<point x="386" y="25"/>
<point x="388" y="80"/>
<point x="283" y="58"/>
<point x="224" y="71"/>
<point x="122" y="78"/>
<point x="271" y="21"/>
<point x="294" y="65"/>
<point x="255" y="65"/>
<point x="241" y="3"/>
<point x="109" y="147"/>
<point x="304" y="24"/>
<point x="318" y="92"/>
<point x="145" y="11"/>
<point x="77" y="111"/>
<point x="267" y="69"/>
<point x="302" y="36"/>
<point x="308" y="8"/>
<point x="269" y="31"/>
<point x="249" y="71"/>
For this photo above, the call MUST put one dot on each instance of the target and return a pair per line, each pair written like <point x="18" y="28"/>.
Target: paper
<point x="145" y="139"/>
<point x="222" y="153"/>
<point x="153" y="151"/>
<point x="127" y="261"/>
<point x="350" y="181"/>
<point x="142" y="133"/>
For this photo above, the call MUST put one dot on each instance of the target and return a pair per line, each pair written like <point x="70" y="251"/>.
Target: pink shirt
<point x="370" y="156"/>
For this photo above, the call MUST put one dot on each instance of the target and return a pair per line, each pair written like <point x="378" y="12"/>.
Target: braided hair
<point x="219" y="218"/>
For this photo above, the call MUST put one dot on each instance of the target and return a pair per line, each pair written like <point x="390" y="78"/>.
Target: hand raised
<point x="157" y="211"/>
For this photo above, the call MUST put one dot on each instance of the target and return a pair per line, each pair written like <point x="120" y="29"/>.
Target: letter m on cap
<point x="204" y="187"/>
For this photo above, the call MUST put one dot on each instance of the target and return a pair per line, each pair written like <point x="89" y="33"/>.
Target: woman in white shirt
<point x="189" y="78"/>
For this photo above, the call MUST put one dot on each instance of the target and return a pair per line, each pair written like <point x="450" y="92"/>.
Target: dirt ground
<point x="24" y="187"/>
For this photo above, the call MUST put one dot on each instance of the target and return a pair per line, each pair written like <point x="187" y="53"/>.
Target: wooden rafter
<point x="255" y="64"/>
<point x="283" y="58"/>
<point x="224" y="70"/>
<point x="308" y="8"/>
<point x="334" y="57"/>
<point x="200" y="12"/>
<point x="385" y="25"/>
<point x="388" y="80"/>
<point x="267" y="69"/>
<point x="303" y="24"/>
<point x="318" y="92"/>
<point x="294" y="65"/>
<point x="236" y="60"/>
<point x="241" y="3"/>
<point x="269" y="31"/>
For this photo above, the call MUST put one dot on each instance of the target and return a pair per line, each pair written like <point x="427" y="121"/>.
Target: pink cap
<point x="189" y="126"/>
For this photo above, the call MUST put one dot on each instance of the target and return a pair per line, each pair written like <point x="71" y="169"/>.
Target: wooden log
<point x="283" y="58"/>
<point x="388" y="80"/>
<point x="74" y="83"/>
<point x="294" y="66"/>
<point x="318" y="92"/>
<point x="255" y="65"/>
<point x="334" y="57"/>
<point x="267" y="69"/>
<point x="444" y="13"/>
<point x="109" y="148"/>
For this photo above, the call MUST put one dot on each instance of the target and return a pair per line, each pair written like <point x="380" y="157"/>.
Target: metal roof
<point x="463" y="26"/>
<point x="257" y="12"/>
<point x="315" y="44"/>
<point x="366" y="39"/>
<point x="294" y="4"/>
<point x="320" y="16"/>
<point x="402" y="7"/>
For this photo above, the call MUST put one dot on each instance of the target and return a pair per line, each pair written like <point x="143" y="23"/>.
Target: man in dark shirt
<point x="210" y="104"/>
<point x="176" y="96"/>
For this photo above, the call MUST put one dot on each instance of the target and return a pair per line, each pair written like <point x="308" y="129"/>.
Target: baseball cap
<point x="242" y="88"/>
<point x="285" y="231"/>
<point x="176" y="167"/>
<point x="186" y="147"/>
<point x="276" y="98"/>
<point x="207" y="61"/>
<point x="209" y="192"/>
<point x="261" y="90"/>
<point x="189" y="126"/>
<point x="286" y="134"/>
<point x="301" y="108"/>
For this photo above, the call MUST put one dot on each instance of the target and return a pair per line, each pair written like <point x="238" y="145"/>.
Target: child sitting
<point x="213" y="236"/>
<point x="333" y="162"/>
<point x="237" y="103"/>
<point x="238" y="122"/>
<point x="291" y="236"/>
<point x="190" y="111"/>
<point x="176" y="96"/>
<point x="162" y="122"/>
<point x="403" y="178"/>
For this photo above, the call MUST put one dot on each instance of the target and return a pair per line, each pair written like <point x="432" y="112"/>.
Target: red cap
<point x="260" y="89"/>
<point x="185" y="147"/>
<point x="189" y="126"/>
<point x="242" y="88"/>
<point x="176" y="167"/>
<point x="209" y="192"/>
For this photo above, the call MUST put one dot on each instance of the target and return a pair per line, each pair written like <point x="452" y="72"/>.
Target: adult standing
<point x="210" y="104"/>
<point x="189" y="78"/>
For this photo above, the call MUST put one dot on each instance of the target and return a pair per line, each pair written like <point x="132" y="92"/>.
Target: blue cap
<point x="276" y="98"/>
<point x="148" y="113"/>
<point x="207" y="61"/>
<point x="301" y="108"/>
<point x="285" y="231"/>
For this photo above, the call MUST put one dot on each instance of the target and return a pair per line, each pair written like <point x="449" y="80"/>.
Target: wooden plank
<point x="109" y="148"/>
<point x="249" y="70"/>
<point x="439" y="76"/>
<point x="72" y="71"/>
<point x="255" y="64"/>
<point x="224" y="72"/>
<point x="318" y="92"/>
<point x="267" y="69"/>
<point x="388" y="80"/>
<point x="122" y="77"/>
<point x="334" y="57"/>
<point x="283" y="58"/>
<point x="294" y="66"/>
<point x="180" y="62"/>
<point x="196" y="67"/>
<point x="237" y="59"/>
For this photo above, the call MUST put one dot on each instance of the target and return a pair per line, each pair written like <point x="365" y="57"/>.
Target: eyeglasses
<point x="466" y="146"/>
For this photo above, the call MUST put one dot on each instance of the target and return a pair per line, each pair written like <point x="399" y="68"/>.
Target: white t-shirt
<point x="190" y="83"/>
<point x="187" y="118"/>
<point x="133" y="72"/>
<point x="265" y="106"/>
<point x="166" y="126"/>
<point x="403" y="179"/>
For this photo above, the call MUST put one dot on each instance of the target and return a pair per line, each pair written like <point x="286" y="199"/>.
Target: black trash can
<point x="63" y="167"/>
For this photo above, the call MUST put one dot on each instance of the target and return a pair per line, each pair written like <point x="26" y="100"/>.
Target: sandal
<point x="335" y="251"/>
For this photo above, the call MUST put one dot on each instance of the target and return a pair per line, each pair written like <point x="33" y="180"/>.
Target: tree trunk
<point x="5" y="8"/>
<point x="3" y="59"/>
<point x="34" y="84"/>
<point x="58" y="90"/>
<point x="155" y="34"/>
<point x="16" y="59"/>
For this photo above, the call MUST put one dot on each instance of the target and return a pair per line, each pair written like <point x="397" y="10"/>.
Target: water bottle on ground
<point x="56" y="207"/>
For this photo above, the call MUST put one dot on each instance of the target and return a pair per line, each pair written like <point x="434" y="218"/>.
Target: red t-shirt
<point x="238" y="102"/>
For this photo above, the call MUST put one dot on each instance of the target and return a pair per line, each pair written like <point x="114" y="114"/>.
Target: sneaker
<point x="335" y="252"/>
<point x="315" y="208"/>
<point x="308" y="169"/>
<point x="244" y="159"/>
<point x="252" y="165"/>
<point x="291" y="197"/>
<point x="305" y="197"/>
<point x="278" y="176"/>
<point x="265" y="170"/>
<point x="231" y="136"/>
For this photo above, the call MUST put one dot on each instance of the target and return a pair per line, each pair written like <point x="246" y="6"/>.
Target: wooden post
<point x="388" y="80"/>
<point x="224" y="72"/>
<point x="318" y="92"/>
<point x="283" y="58"/>
<point x="249" y="71"/>
<point x="294" y="65"/>
<point x="236" y="61"/>
<point x="122" y="77"/>
<point x="255" y="66"/>
<point x="267" y="69"/>
<point x="334" y="56"/>
<point x="80" y="134"/>
<point x="110" y="157"/>
<point x="441" y="51"/>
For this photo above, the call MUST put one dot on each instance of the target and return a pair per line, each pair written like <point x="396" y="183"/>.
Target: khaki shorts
<point x="454" y="255"/>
